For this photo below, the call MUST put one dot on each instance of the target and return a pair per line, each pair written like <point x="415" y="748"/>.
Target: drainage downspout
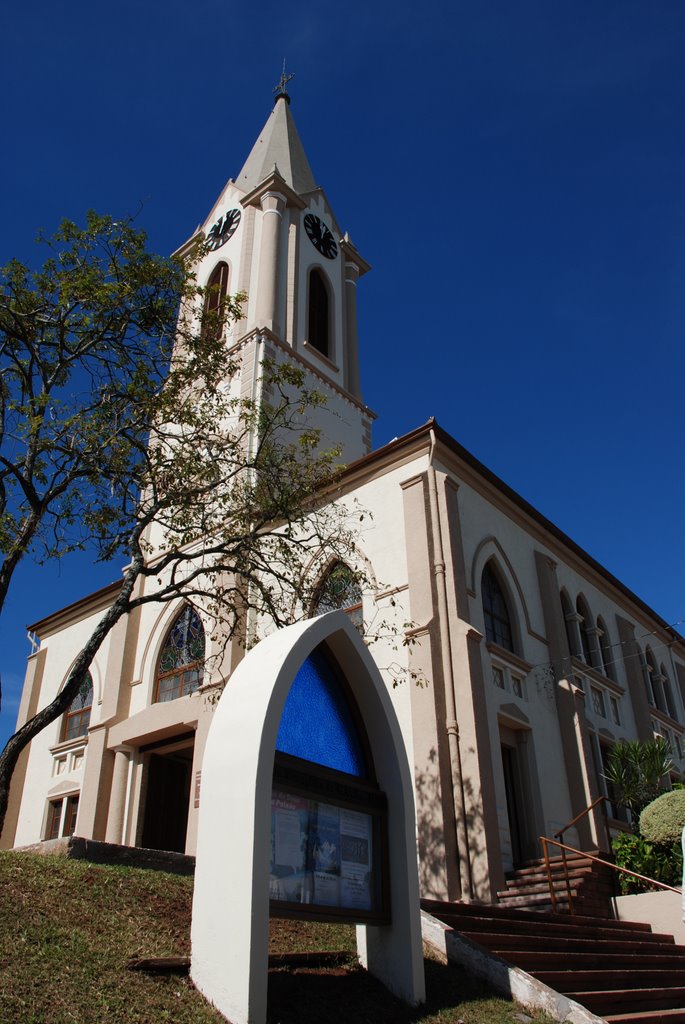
<point x="451" y="723"/>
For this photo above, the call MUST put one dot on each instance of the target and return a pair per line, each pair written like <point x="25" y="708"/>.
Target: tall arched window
<point x="496" y="611"/>
<point x="585" y="624"/>
<point x="318" y="319"/>
<point x="605" y="649"/>
<point x="77" y="716"/>
<point x="339" y="588"/>
<point x="182" y="659"/>
<point x="569" y="623"/>
<point x="215" y="301"/>
<point x="654" y="681"/>
<point x="668" y="692"/>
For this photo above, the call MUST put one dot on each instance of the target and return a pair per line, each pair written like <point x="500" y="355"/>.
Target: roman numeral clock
<point x="320" y="236"/>
<point x="223" y="229"/>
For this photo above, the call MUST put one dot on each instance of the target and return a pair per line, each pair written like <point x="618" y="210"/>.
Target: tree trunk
<point x="23" y="736"/>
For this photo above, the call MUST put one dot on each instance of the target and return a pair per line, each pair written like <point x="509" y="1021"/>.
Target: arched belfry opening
<point x="298" y="815"/>
<point x="319" y="312"/>
<point x="215" y="301"/>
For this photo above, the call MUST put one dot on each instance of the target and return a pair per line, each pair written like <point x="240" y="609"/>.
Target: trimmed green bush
<point x="663" y="820"/>
<point x="663" y="863"/>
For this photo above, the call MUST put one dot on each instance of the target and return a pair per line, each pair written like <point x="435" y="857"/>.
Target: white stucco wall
<point x="42" y="779"/>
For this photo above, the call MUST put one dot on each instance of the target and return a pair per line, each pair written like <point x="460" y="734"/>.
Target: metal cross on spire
<point x="280" y="88"/>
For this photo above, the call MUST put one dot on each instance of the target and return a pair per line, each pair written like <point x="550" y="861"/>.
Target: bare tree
<point x="121" y="429"/>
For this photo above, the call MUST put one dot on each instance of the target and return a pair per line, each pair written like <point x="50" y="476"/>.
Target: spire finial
<point x="280" y="88"/>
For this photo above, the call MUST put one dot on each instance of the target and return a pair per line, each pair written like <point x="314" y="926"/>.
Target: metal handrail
<point x="598" y="800"/>
<point x="559" y="836"/>
<point x="625" y="871"/>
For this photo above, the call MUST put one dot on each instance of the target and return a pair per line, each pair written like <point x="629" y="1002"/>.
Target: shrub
<point x="635" y="769"/>
<point x="663" y="863"/>
<point x="662" y="821"/>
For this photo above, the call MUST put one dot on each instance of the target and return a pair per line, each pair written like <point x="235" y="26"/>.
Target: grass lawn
<point x="68" y="928"/>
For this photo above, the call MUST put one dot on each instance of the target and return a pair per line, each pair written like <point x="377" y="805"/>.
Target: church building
<point x="527" y="659"/>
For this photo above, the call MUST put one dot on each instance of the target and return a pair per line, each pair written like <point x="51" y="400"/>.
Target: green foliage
<point x="663" y="820"/>
<point x="635" y="769"/>
<point x="85" y="344"/>
<point x="662" y="863"/>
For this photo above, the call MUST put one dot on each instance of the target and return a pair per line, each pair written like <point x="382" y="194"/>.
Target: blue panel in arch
<point x="317" y="723"/>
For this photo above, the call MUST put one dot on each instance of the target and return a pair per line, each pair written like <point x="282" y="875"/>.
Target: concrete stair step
<point x="537" y="901"/>
<point x="639" y="999"/>
<point x="557" y="871"/>
<point x="571" y="858"/>
<point x="674" y="1016"/>
<point x="627" y="977"/>
<point x="567" y="929"/>
<point x="498" y="912"/>
<point x="619" y="970"/>
<point x="573" y="944"/>
<point x="559" y="887"/>
<point x="540" y="960"/>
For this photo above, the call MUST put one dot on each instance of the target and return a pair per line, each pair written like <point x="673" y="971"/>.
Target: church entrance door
<point x="515" y="802"/>
<point x="165" y="817"/>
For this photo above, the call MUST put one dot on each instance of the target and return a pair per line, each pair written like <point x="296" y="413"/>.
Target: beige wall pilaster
<point x="468" y="680"/>
<point x="436" y="823"/>
<point x="29" y="705"/>
<point x="632" y="663"/>
<point x="96" y="797"/>
<point x="575" y="739"/>
<point x="351" y="340"/>
<point x="117" y="804"/>
<point x="272" y="204"/>
<point x="92" y="817"/>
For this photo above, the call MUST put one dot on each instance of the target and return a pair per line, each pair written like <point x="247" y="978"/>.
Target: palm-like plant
<point x="635" y="769"/>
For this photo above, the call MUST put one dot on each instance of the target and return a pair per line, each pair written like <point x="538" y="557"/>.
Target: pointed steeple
<point x="278" y="144"/>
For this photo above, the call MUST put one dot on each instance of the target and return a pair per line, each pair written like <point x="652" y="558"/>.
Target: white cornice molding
<point x="273" y="183"/>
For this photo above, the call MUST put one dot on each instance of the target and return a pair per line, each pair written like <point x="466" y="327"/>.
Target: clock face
<point x="220" y="232"/>
<point x="320" y="237"/>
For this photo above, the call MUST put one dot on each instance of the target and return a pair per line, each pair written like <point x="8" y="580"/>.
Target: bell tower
<point x="273" y="235"/>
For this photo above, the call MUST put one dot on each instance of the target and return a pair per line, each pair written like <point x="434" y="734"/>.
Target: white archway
<point x="231" y="901"/>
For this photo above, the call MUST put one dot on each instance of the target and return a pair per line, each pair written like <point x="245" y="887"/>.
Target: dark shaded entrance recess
<point x="515" y="802"/>
<point x="165" y="818"/>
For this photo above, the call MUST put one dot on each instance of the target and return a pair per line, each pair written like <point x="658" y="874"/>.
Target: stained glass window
<point x="340" y="588"/>
<point x="77" y="718"/>
<point x="317" y="724"/>
<point x="182" y="658"/>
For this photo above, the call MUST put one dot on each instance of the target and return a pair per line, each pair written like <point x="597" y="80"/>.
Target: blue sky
<point x="514" y="172"/>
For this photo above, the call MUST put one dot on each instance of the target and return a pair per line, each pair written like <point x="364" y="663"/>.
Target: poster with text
<point x="289" y="878"/>
<point x="355" y="860"/>
<point x="325" y="855"/>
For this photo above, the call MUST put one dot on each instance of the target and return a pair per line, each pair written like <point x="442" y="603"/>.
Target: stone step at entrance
<point x="619" y="970"/>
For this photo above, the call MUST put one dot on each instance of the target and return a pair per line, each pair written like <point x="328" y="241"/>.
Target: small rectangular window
<point x="70" y="816"/>
<point x="615" y="716"/>
<point x="498" y="677"/>
<point x="54" y="819"/>
<point x="517" y="686"/>
<point x="598" y="702"/>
